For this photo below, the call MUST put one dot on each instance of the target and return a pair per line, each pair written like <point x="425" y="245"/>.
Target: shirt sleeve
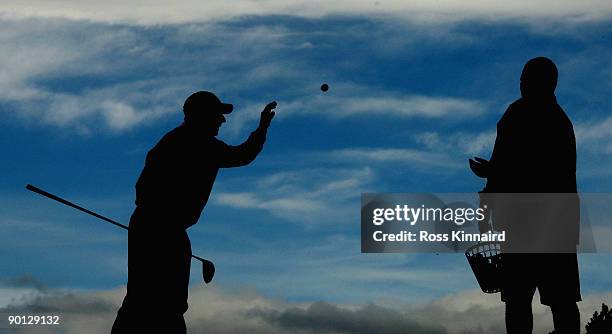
<point x="243" y="154"/>
<point x="496" y="161"/>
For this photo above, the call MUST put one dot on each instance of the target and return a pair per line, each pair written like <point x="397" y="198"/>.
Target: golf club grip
<point x="80" y="208"/>
<point x="65" y="202"/>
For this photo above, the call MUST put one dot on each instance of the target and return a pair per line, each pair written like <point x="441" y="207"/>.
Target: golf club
<point x="208" y="268"/>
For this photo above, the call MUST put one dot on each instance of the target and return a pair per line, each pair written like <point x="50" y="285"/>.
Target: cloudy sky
<point x="416" y="88"/>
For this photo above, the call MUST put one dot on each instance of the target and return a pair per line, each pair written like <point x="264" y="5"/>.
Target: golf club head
<point x="208" y="271"/>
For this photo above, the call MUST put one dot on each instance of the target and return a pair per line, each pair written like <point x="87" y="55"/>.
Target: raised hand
<point x="267" y="114"/>
<point x="481" y="167"/>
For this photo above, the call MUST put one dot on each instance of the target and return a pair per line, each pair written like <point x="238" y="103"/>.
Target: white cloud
<point x="595" y="135"/>
<point x="13" y="295"/>
<point x="41" y="57"/>
<point x="357" y="102"/>
<point x="329" y="187"/>
<point x="434" y="107"/>
<point x="136" y="75"/>
<point x="162" y="12"/>
<point x="354" y="101"/>
<point x="47" y="59"/>
<point x="594" y="145"/>
<point x="311" y="196"/>
<point x="419" y="159"/>
<point x="97" y="77"/>
<point x="246" y="311"/>
<point x="458" y="142"/>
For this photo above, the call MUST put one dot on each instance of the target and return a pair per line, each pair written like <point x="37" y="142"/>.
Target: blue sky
<point x="414" y="92"/>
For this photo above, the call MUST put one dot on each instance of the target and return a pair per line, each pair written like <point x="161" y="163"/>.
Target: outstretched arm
<point x="243" y="154"/>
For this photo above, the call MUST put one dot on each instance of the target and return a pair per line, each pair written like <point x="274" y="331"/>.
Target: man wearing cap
<point x="171" y="193"/>
<point x="533" y="171"/>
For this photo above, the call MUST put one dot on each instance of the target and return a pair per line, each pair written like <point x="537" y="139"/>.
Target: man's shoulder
<point x="513" y="110"/>
<point x="518" y="103"/>
<point x="169" y="141"/>
<point x="180" y="136"/>
<point x="174" y="134"/>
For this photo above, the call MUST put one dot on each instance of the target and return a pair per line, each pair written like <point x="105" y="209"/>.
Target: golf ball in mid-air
<point x="324" y="87"/>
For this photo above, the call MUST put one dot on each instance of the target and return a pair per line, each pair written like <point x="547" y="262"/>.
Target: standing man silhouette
<point x="171" y="193"/>
<point x="535" y="152"/>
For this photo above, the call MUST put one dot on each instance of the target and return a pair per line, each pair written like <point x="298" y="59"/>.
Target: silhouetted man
<point x="171" y="192"/>
<point x="535" y="152"/>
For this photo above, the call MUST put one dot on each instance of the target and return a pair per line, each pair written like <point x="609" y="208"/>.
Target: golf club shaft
<point x="65" y="202"/>
<point x="80" y="208"/>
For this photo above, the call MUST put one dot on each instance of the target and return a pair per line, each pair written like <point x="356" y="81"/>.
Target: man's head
<point x="204" y="111"/>
<point x="539" y="78"/>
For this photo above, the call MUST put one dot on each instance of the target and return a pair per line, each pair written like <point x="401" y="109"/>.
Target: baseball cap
<point x="205" y="101"/>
